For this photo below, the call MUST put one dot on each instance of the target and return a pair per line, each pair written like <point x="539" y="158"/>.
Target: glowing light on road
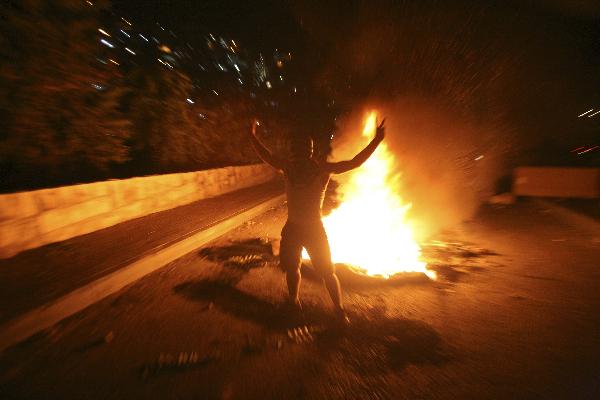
<point x="102" y="31"/>
<point x="143" y="37"/>
<point x="127" y="22"/>
<point x="369" y="230"/>
<point x="130" y="51"/>
<point x="190" y="101"/>
<point x="479" y="158"/>
<point x="125" y="33"/>
<point x="581" y="115"/>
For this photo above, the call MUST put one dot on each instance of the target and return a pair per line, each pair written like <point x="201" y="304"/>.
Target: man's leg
<point x="293" y="279"/>
<point x="335" y="291"/>
<point x="320" y="256"/>
<point x="290" y="257"/>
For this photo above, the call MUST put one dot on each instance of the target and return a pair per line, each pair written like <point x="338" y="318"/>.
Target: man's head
<point x="301" y="147"/>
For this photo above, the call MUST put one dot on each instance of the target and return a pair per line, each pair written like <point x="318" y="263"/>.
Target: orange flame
<point x="369" y="229"/>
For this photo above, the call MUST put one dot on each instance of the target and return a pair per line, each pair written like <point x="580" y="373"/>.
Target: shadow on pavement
<point x="373" y="344"/>
<point x="233" y="301"/>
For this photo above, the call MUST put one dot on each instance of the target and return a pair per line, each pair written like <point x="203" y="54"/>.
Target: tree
<point x="166" y="136"/>
<point x="60" y="105"/>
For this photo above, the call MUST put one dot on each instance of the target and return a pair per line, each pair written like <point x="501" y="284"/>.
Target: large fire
<point x="369" y="230"/>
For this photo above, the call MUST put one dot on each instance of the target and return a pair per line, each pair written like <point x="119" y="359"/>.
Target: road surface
<point x="513" y="315"/>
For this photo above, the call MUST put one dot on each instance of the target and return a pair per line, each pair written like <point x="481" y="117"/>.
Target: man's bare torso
<point x="305" y="183"/>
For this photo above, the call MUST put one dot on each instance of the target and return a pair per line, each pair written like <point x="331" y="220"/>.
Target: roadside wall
<point x="557" y="182"/>
<point x="36" y="218"/>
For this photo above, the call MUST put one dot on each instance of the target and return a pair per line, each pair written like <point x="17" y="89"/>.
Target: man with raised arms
<point x="306" y="180"/>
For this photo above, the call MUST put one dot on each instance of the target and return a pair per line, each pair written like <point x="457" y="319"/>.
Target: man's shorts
<point x="310" y="236"/>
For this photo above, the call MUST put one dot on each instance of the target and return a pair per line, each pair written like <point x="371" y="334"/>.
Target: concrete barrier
<point x="32" y="219"/>
<point x="49" y="314"/>
<point x="557" y="182"/>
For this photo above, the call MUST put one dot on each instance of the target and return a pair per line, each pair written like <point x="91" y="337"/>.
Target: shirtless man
<point x="306" y="180"/>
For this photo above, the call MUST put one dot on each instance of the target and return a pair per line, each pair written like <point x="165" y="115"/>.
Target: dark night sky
<point x="263" y="24"/>
<point x="315" y="26"/>
<point x="268" y="22"/>
<point x="549" y="49"/>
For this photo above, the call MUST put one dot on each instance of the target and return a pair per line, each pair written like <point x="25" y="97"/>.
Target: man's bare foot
<point x="293" y="312"/>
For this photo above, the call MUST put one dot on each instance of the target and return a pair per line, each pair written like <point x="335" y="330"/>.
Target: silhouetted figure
<point x="306" y="180"/>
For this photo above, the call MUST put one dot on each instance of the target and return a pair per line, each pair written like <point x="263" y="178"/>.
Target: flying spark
<point x="107" y="43"/>
<point x="581" y="115"/>
<point x="588" y="150"/>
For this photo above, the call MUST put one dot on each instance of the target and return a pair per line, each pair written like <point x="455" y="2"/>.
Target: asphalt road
<point x="513" y="315"/>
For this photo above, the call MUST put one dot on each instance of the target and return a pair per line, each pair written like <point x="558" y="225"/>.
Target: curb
<point x="571" y="217"/>
<point x="49" y="314"/>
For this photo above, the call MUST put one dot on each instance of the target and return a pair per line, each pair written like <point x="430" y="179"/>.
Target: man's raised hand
<point x="255" y="123"/>
<point x="380" y="131"/>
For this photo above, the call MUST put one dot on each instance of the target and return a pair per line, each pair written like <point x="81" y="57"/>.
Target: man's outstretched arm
<point x="360" y="158"/>
<point x="262" y="151"/>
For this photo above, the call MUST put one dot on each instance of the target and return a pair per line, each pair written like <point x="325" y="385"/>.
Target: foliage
<point x="165" y="135"/>
<point x="56" y="123"/>
<point x="70" y="115"/>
